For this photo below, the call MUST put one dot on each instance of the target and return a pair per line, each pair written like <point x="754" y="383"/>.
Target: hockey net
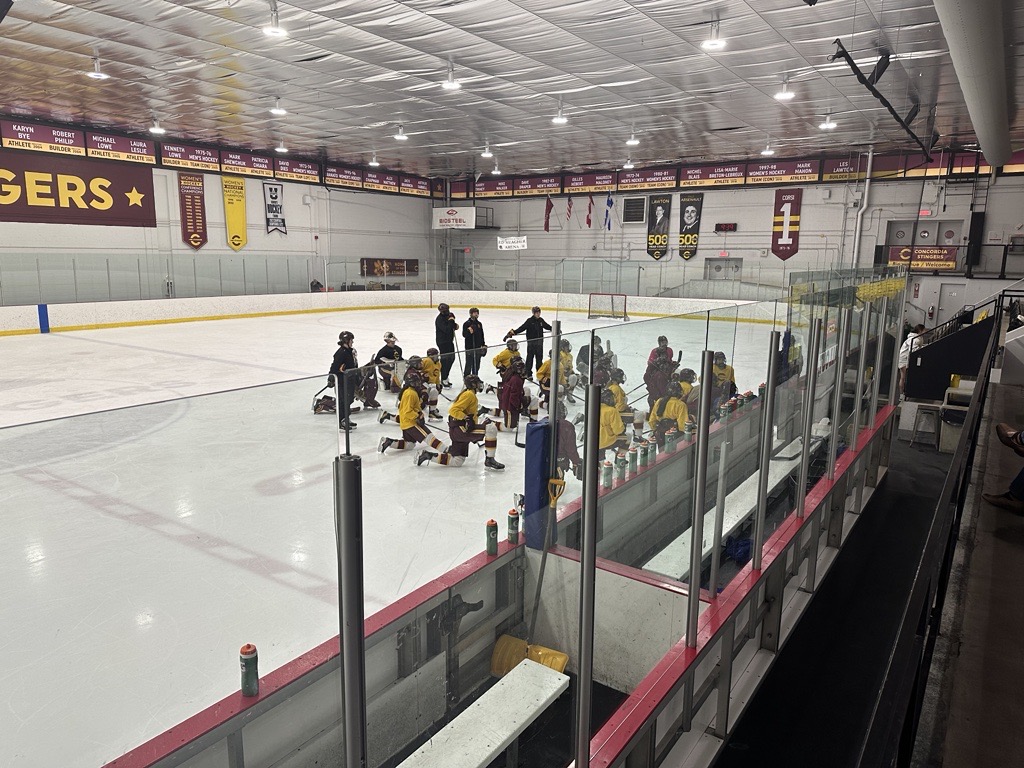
<point x="607" y="305"/>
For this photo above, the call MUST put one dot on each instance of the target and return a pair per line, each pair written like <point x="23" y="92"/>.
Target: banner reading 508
<point x="658" y="209"/>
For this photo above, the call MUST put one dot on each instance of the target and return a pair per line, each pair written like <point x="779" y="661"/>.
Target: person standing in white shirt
<point x="913" y="342"/>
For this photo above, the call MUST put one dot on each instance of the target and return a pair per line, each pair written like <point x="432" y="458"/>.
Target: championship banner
<point x="273" y="200"/>
<point x="786" y="222"/>
<point x="192" y="205"/>
<point x="512" y="243"/>
<point x="690" y="207"/>
<point x="51" y="189"/>
<point x="234" y="211"/>
<point x="659" y="208"/>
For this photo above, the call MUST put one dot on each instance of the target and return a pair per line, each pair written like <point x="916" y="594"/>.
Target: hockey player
<point x="568" y="453"/>
<point x="344" y="366"/>
<point x="414" y="365"/>
<point x="637" y="416"/>
<point x="501" y="362"/>
<point x="611" y="430"/>
<point x="685" y="379"/>
<point x="514" y="399"/>
<point x="565" y="369"/>
<point x="534" y="328"/>
<point x="656" y="377"/>
<point x="669" y="411"/>
<point x="445" y="326"/>
<point x="464" y="429"/>
<point x="722" y="373"/>
<point x="410" y="417"/>
<point x="583" y="357"/>
<point x="663" y="350"/>
<point x="432" y="376"/>
<point x="385" y="361"/>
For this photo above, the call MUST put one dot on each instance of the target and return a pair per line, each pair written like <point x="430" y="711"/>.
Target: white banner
<point x="454" y="218"/>
<point x="512" y="243"/>
<point x="273" y="198"/>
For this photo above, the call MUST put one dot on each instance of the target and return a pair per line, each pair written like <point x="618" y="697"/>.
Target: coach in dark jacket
<point x="473" y="335"/>
<point x="534" y="328"/>
<point x="445" y="326"/>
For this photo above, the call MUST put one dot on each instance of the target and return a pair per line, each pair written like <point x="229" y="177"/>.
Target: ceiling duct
<point x="974" y="33"/>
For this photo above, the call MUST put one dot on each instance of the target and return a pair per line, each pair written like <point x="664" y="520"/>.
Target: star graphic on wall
<point x="134" y="197"/>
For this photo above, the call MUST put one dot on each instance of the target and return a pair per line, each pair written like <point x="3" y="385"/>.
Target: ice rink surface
<point x="144" y="545"/>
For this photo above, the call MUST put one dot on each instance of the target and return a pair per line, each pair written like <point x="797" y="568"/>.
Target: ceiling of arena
<point x="349" y="72"/>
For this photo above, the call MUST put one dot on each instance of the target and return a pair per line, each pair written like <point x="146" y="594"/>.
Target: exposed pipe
<point x="974" y="34"/>
<point x="863" y="208"/>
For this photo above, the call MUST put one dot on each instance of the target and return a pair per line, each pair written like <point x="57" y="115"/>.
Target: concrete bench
<point x="494" y="721"/>
<point x="674" y="560"/>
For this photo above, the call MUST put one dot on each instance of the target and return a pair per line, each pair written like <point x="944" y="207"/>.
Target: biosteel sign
<point x="454" y="218"/>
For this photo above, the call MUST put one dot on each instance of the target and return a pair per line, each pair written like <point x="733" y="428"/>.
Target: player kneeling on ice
<point x="464" y="429"/>
<point x="514" y="398"/>
<point x="410" y="417"/>
<point x="668" y="412"/>
<point x="432" y="374"/>
<point x="413" y="365"/>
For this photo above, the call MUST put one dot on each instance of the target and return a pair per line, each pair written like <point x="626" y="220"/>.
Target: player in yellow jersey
<point x="464" y="429"/>
<point x="410" y="417"/>
<point x="668" y="411"/>
<point x="611" y="430"/>
<point x="722" y="374"/>
<point x="501" y="362"/>
<point x="635" y="415"/>
<point x="432" y="375"/>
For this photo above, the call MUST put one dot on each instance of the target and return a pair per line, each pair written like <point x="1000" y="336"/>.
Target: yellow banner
<point x="234" y="211"/>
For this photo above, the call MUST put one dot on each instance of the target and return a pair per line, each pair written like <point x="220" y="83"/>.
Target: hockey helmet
<point x="719" y="358"/>
<point x="389" y="337"/>
<point x="687" y="375"/>
<point x="517" y="365"/>
<point x="442" y="307"/>
<point x="560" y="412"/>
<point x="346" y="337"/>
<point x="673" y="389"/>
<point x="607" y="397"/>
<point x="565" y="345"/>
<point x="472" y="382"/>
<point x="415" y="362"/>
<point x="413" y="378"/>
<point x="618" y="376"/>
<point x="433" y="353"/>
<point x="513" y="345"/>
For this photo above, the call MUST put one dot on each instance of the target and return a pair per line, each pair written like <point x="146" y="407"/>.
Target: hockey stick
<point x="518" y="444"/>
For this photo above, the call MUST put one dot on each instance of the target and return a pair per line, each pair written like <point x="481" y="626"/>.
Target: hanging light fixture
<point x="560" y="118"/>
<point x="274" y="28"/>
<point x="156" y="129"/>
<point x="281" y="148"/>
<point x="768" y="151"/>
<point x="785" y="94"/>
<point x="277" y="109"/>
<point x="400" y="136"/>
<point x="373" y="161"/>
<point x="495" y="172"/>
<point x="450" y="83"/>
<point x="97" y="72"/>
<point x="714" y="41"/>
<point x="828" y="124"/>
<point x="487" y="154"/>
<point x="628" y="164"/>
<point x="632" y="141"/>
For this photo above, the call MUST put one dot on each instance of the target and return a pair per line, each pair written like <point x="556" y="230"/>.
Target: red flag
<point x="568" y="210"/>
<point x="548" y="208"/>
<point x="590" y="209"/>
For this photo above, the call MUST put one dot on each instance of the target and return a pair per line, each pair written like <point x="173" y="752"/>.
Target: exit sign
<point x="925" y="212"/>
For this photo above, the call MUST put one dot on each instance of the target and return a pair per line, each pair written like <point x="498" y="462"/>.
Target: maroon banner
<point x="460" y="190"/>
<point x="187" y="156"/>
<point x="414" y="185"/>
<point x="388" y="267"/>
<point x="659" y="210"/>
<point x="297" y="170"/>
<point x="923" y="257"/>
<point x="973" y="162"/>
<point x="244" y="164"/>
<point x="340" y="176"/>
<point x="381" y="181"/>
<point x="590" y="182"/>
<point x="786" y="222"/>
<point x="719" y="175"/>
<point x="69" y="190"/>
<point x="15" y="134"/>
<point x="437" y="188"/>
<point x="783" y="171"/>
<point x="192" y="205"/>
<point x="888" y="166"/>
<point x="493" y="188"/>
<point x="537" y="185"/>
<point x="648" y="178"/>
<point x="919" y="165"/>
<point x="843" y="169"/>
<point x="123" y="148"/>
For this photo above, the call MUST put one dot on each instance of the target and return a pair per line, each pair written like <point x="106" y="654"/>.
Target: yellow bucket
<point x="509" y="651"/>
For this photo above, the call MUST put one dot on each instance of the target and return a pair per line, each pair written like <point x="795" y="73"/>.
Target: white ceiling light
<point x="714" y="41"/>
<point x="828" y="124"/>
<point x="373" y="161"/>
<point x="487" y="154"/>
<point x="450" y="83"/>
<point x="495" y="172"/>
<point x="400" y="136"/>
<point x="768" y="151"/>
<point x="785" y="94"/>
<point x="632" y="141"/>
<point x="281" y="147"/>
<point x="560" y="118"/>
<point x="628" y="164"/>
<point x="274" y="28"/>
<point x="156" y="129"/>
<point x="97" y="73"/>
<point x="277" y="109"/>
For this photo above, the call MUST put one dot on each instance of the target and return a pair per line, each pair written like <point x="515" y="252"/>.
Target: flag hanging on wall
<point x="568" y="209"/>
<point x="608" y="205"/>
<point x="234" y="211"/>
<point x="590" y="210"/>
<point x="273" y="200"/>
<point x="548" y="208"/>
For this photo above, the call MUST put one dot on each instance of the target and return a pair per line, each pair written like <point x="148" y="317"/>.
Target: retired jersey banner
<point x="273" y="201"/>
<point x="659" y="208"/>
<point x="54" y="189"/>
<point x="192" y="205"/>
<point x="691" y="204"/>
<point x="786" y="222"/>
<point x="234" y="211"/>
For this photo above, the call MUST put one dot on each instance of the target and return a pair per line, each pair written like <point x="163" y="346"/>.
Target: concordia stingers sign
<point x="69" y="190"/>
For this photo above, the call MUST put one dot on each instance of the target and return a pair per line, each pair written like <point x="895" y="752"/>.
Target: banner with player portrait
<point x="691" y="205"/>
<point x="659" y="208"/>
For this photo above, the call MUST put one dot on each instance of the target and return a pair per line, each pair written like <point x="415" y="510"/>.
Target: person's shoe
<point x="1010" y="437"/>
<point x="483" y="410"/>
<point x="570" y="398"/>
<point x="579" y="418"/>
<point x="372" y="405"/>
<point x="446" y="383"/>
<point x="347" y="424"/>
<point x="424" y="456"/>
<point x="1004" y="501"/>
<point x="490" y="463"/>
<point x="384" y="416"/>
<point x="354" y="409"/>
<point x="489" y="390"/>
<point x="385" y="443"/>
